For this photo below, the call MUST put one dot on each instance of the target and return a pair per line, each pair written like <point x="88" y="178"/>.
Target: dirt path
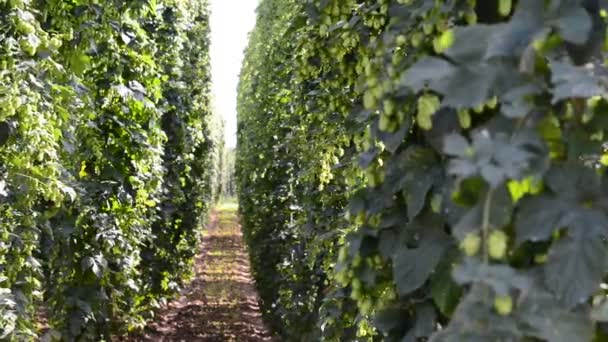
<point x="220" y="304"/>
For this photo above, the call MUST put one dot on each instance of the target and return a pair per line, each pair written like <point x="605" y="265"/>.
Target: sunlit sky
<point x="231" y="21"/>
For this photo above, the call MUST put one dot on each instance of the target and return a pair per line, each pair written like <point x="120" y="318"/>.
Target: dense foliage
<point x="107" y="159"/>
<point x="427" y="169"/>
<point x="228" y="179"/>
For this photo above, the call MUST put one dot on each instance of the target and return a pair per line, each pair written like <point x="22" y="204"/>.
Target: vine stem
<point x="485" y="224"/>
<point x="38" y="179"/>
<point x="485" y="230"/>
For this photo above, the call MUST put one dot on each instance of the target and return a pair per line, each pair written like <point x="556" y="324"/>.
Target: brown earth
<point x="221" y="303"/>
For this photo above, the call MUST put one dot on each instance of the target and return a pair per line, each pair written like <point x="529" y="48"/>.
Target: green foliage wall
<point x="217" y="124"/>
<point x="422" y="169"/>
<point x="106" y="159"/>
<point x="228" y="179"/>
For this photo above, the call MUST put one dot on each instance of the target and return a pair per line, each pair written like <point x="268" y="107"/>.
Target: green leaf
<point x="428" y="71"/>
<point x="414" y="171"/>
<point x="540" y="315"/>
<point x="496" y="158"/>
<point x="574" y="205"/>
<point x="457" y="145"/>
<point x="501" y="211"/>
<point x="475" y="310"/>
<point x="574" y="25"/>
<point x="413" y="267"/>
<point x="470" y="43"/>
<point x="500" y="278"/>
<point x="583" y="259"/>
<point x="469" y="88"/>
<point x="415" y="192"/>
<point x="390" y="320"/>
<point x="571" y="81"/>
<point x="538" y="218"/>
<point x="426" y="318"/>
<point x="445" y="292"/>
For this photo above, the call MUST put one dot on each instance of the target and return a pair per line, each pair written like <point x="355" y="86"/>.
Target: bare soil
<point x="221" y="303"/>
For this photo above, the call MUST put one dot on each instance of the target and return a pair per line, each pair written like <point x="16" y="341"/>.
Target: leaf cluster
<point x="427" y="169"/>
<point x="106" y="163"/>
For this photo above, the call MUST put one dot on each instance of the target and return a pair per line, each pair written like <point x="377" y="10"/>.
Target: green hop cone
<point x="497" y="244"/>
<point x="503" y="305"/>
<point x="471" y="244"/>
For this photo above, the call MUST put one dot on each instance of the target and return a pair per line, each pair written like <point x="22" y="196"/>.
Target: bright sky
<point x="231" y="21"/>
